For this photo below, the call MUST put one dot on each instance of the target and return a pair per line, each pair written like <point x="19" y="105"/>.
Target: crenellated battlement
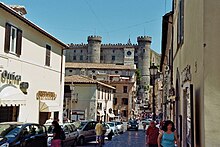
<point x="144" y="39"/>
<point x="82" y="45"/>
<point x="94" y="38"/>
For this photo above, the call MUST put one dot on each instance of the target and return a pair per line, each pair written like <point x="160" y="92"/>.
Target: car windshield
<point x="111" y="124"/>
<point x="79" y="125"/>
<point x="9" y="131"/>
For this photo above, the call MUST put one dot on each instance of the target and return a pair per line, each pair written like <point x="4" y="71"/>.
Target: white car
<point x="120" y="126"/>
<point x="113" y="127"/>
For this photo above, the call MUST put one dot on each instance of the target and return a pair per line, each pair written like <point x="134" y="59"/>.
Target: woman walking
<point x="56" y="142"/>
<point x="168" y="135"/>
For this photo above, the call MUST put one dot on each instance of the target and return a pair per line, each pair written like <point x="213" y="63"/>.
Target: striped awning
<point x="49" y="106"/>
<point x="11" y="96"/>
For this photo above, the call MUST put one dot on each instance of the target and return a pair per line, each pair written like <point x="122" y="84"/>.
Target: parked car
<point x="113" y="127"/>
<point x="108" y="131"/>
<point x="16" y="134"/>
<point x="86" y="130"/>
<point x="120" y="127"/>
<point x="132" y="124"/>
<point x="70" y="131"/>
<point x="147" y="121"/>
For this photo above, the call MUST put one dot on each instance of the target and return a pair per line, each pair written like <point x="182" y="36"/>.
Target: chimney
<point x="19" y="9"/>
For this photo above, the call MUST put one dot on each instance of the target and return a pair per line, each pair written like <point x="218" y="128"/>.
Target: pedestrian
<point x="99" y="132"/>
<point x="168" y="135"/>
<point x="56" y="141"/>
<point x="152" y="134"/>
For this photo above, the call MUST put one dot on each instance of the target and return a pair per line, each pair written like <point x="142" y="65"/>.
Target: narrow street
<point x="127" y="139"/>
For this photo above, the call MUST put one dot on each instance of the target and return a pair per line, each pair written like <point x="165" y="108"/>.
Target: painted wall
<point x="211" y="72"/>
<point x="31" y="66"/>
<point x="86" y="100"/>
<point x="192" y="53"/>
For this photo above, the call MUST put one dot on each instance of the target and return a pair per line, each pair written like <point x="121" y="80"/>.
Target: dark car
<point x="70" y="131"/>
<point x="132" y="124"/>
<point x="15" y="134"/>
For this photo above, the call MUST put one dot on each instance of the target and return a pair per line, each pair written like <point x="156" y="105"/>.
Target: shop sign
<point x="10" y="78"/>
<point x="46" y="95"/>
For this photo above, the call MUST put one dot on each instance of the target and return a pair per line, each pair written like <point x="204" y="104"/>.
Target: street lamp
<point x="153" y="72"/>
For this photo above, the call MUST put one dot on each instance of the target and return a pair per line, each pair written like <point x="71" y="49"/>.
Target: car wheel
<point x="81" y="141"/>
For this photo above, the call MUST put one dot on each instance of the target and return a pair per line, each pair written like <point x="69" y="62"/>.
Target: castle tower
<point x="94" y="48"/>
<point x="144" y="43"/>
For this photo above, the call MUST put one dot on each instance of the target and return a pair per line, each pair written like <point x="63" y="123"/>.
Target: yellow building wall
<point x="211" y="72"/>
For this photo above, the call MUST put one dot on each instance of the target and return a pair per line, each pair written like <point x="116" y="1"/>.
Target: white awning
<point x="49" y="106"/>
<point x="12" y="96"/>
<point x="111" y="115"/>
<point x="101" y="113"/>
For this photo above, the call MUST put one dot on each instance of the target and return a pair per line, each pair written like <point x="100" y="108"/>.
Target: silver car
<point x="86" y="130"/>
<point x="70" y="131"/>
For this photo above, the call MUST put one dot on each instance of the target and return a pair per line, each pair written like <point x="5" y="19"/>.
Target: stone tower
<point x="94" y="48"/>
<point x="144" y="43"/>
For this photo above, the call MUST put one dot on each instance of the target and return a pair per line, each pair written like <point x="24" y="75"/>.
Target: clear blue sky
<point x="72" y="21"/>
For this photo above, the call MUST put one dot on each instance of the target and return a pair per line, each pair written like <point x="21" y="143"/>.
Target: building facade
<point x="31" y="70"/>
<point x="122" y="77"/>
<point x="88" y="99"/>
<point x="139" y="54"/>
<point x="195" y="72"/>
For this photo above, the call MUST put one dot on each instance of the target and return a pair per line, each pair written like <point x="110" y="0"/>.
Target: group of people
<point x="165" y="136"/>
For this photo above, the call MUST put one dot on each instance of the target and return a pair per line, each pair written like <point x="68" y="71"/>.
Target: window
<point x="48" y="50"/>
<point x="113" y="51"/>
<point x="180" y="24"/>
<point x="116" y="72"/>
<point x="81" y="57"/>
<point x="74" y="51"/>
<point x="115" y="101"/>
<point x="99" y="106"/>
<point x="125" y="89"/>
<point x="101" y="57"/>
<point x="124" y="101"/>
<point x="113" y="58"/>
<point x="81" y="51"/>
<point x="13" y="39"/>
<point x="70" y="70"/>
<point x="74" y="57"/>
<point x="124" y="113"/>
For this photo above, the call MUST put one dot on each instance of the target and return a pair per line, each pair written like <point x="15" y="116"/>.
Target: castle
<point x="137" y="55"/>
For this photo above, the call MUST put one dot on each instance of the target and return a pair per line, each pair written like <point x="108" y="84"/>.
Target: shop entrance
<point x="9" y="113"/>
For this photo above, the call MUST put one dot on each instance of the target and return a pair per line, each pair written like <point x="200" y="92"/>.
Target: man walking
<point x="99" y="132"/>
<point x="152" y="134"/>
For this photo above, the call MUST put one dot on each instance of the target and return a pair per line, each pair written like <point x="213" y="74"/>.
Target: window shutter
<point x="7" y="37"/>
<point x="19" y="42"/>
